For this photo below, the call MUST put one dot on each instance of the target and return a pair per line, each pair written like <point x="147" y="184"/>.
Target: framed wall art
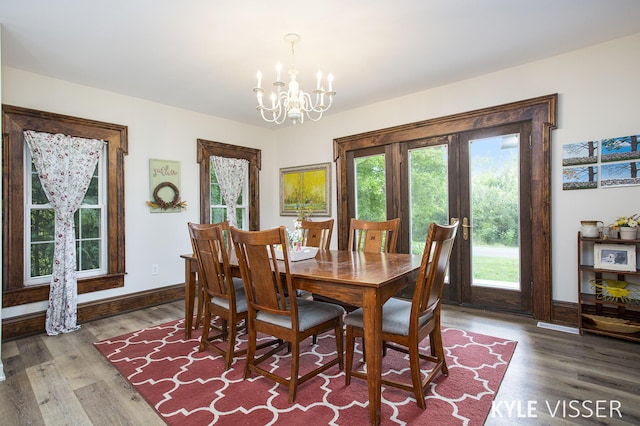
<point x="164" y="186"/>
<point x="616" y="257"/>
<point x="306" y="190"/>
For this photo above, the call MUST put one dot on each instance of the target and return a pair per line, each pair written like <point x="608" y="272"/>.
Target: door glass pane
<point x="495" y="237"/>
<point x="428" y="188"/>
<point x="371" y="197"/>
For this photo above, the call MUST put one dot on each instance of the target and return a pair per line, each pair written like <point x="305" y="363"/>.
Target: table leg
<point x="372" y="321"/>
<point x="189" y="296"/>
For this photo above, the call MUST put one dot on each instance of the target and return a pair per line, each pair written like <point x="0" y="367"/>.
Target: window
<point x="89" y="223"/>
<point x="27" y="217"/>
<point x="218" y="206"/>
<point x="212" y="207"/>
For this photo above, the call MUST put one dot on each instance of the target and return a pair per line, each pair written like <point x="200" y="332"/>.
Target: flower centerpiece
<point x="627" y="226"/>
<point x="296" y="236"/>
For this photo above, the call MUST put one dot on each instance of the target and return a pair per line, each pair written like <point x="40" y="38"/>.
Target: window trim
<point x="205" y="150"/>
<point x="17" y="119"/>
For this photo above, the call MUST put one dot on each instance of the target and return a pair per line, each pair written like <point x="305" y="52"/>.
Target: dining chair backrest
<point x="226" y="233"/>
<point x="433" y="268"/>
<point x="369" y="236"/>
<point x="317" y="234"/>
<point x="262" y="275"/>
<point x="210" y="248"/>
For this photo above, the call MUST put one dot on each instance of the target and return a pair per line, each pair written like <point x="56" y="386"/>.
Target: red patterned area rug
<point x="187" y="387"/>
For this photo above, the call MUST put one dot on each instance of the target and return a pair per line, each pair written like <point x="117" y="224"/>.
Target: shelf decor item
<point x="627" y="226"/>
<point x="616" y="325"/>
<point x="614" y="257"/>
<point x="616" y="290"/>
<point x="591" y="228"/>
<point x="627" y="233"/>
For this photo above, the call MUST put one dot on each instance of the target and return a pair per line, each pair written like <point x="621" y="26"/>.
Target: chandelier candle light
<point x="294" y="103"/>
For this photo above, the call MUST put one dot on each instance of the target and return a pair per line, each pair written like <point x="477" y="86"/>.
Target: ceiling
<point x="203" y="55"/>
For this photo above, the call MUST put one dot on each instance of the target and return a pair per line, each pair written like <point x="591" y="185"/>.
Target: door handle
<point x="465" y="228"/>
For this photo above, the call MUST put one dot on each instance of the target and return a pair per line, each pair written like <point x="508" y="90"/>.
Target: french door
<point x="432" y="170"/>
<point x="480" y="177"/>
<point x="493" y="267"/>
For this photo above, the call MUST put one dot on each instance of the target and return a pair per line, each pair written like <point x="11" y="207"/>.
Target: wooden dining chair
<point x="275" y="310"/>
<point x="222" y="295"/>
<point x="406" y="323"/>
<point x="317" y="234"/>
<point x="200" y="291"/>
<point x="369" y="236"/>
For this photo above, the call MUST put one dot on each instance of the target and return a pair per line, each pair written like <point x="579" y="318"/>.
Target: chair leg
<point x="435" y="340"/>
<point x="295" y="366"/>
<point x="251" y="350"/>
<point x="204" y="338"/>
<point x="340" y="345"/>
<point x="201" y="305"/>
<point x="224" y="327"/>
<point x="231" y="336"/>
<point x="416" y="376"/>
<point x="350" y="348"/>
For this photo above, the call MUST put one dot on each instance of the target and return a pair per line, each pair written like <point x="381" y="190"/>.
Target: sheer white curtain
<point x="231" y="174"/>
<point x="65" y="165"/>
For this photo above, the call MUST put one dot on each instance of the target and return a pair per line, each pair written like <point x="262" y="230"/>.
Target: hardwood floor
<point x="63" y="380"/>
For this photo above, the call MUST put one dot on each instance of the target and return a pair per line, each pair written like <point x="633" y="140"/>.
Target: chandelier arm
<point x="320" y="106"/>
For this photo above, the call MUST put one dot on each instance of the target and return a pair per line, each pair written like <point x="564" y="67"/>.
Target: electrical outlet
<point x="154" y="269"/>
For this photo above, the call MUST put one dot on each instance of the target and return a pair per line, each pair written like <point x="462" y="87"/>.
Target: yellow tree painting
<point x="305" y="191"/>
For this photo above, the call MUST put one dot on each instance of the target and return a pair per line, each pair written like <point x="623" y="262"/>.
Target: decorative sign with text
<point x="164" y="185"/>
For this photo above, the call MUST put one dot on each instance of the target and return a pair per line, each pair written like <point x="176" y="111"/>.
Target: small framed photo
<point x="616" y="257"/>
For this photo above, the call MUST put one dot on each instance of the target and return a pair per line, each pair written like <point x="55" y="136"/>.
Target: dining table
<point x="365" y="280"/>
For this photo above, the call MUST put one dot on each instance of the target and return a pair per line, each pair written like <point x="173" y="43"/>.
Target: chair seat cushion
<point x="241" y="298"/>
<point x="396" y="314"/>
<point x="238" y="283"/>
<point x="310" y="314"/>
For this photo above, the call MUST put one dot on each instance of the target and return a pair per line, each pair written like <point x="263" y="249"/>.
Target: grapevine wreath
<point x="159" y="203"/>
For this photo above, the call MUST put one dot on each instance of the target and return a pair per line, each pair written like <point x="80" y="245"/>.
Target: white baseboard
<point x="557" y="327"/>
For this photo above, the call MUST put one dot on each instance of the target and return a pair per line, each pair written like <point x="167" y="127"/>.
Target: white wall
<point x="599" y="97"/>
<point x="598" y="89"/>
<point x="155" y="131"/>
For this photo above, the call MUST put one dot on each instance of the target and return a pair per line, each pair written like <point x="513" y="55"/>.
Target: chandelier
<point x="294" y="102"/>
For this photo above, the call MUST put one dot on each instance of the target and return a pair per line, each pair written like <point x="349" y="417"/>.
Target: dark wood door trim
<point x="541" y="112"/>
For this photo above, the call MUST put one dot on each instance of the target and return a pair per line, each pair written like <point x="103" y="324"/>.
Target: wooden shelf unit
<point x="591" y="301"/>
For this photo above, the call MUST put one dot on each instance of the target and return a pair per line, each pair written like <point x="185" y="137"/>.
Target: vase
<point x="627" y="233"/>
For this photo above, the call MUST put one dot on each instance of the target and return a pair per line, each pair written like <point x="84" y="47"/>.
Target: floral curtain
<point x="65" y="165"/>
<point x="231" y="173"/>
